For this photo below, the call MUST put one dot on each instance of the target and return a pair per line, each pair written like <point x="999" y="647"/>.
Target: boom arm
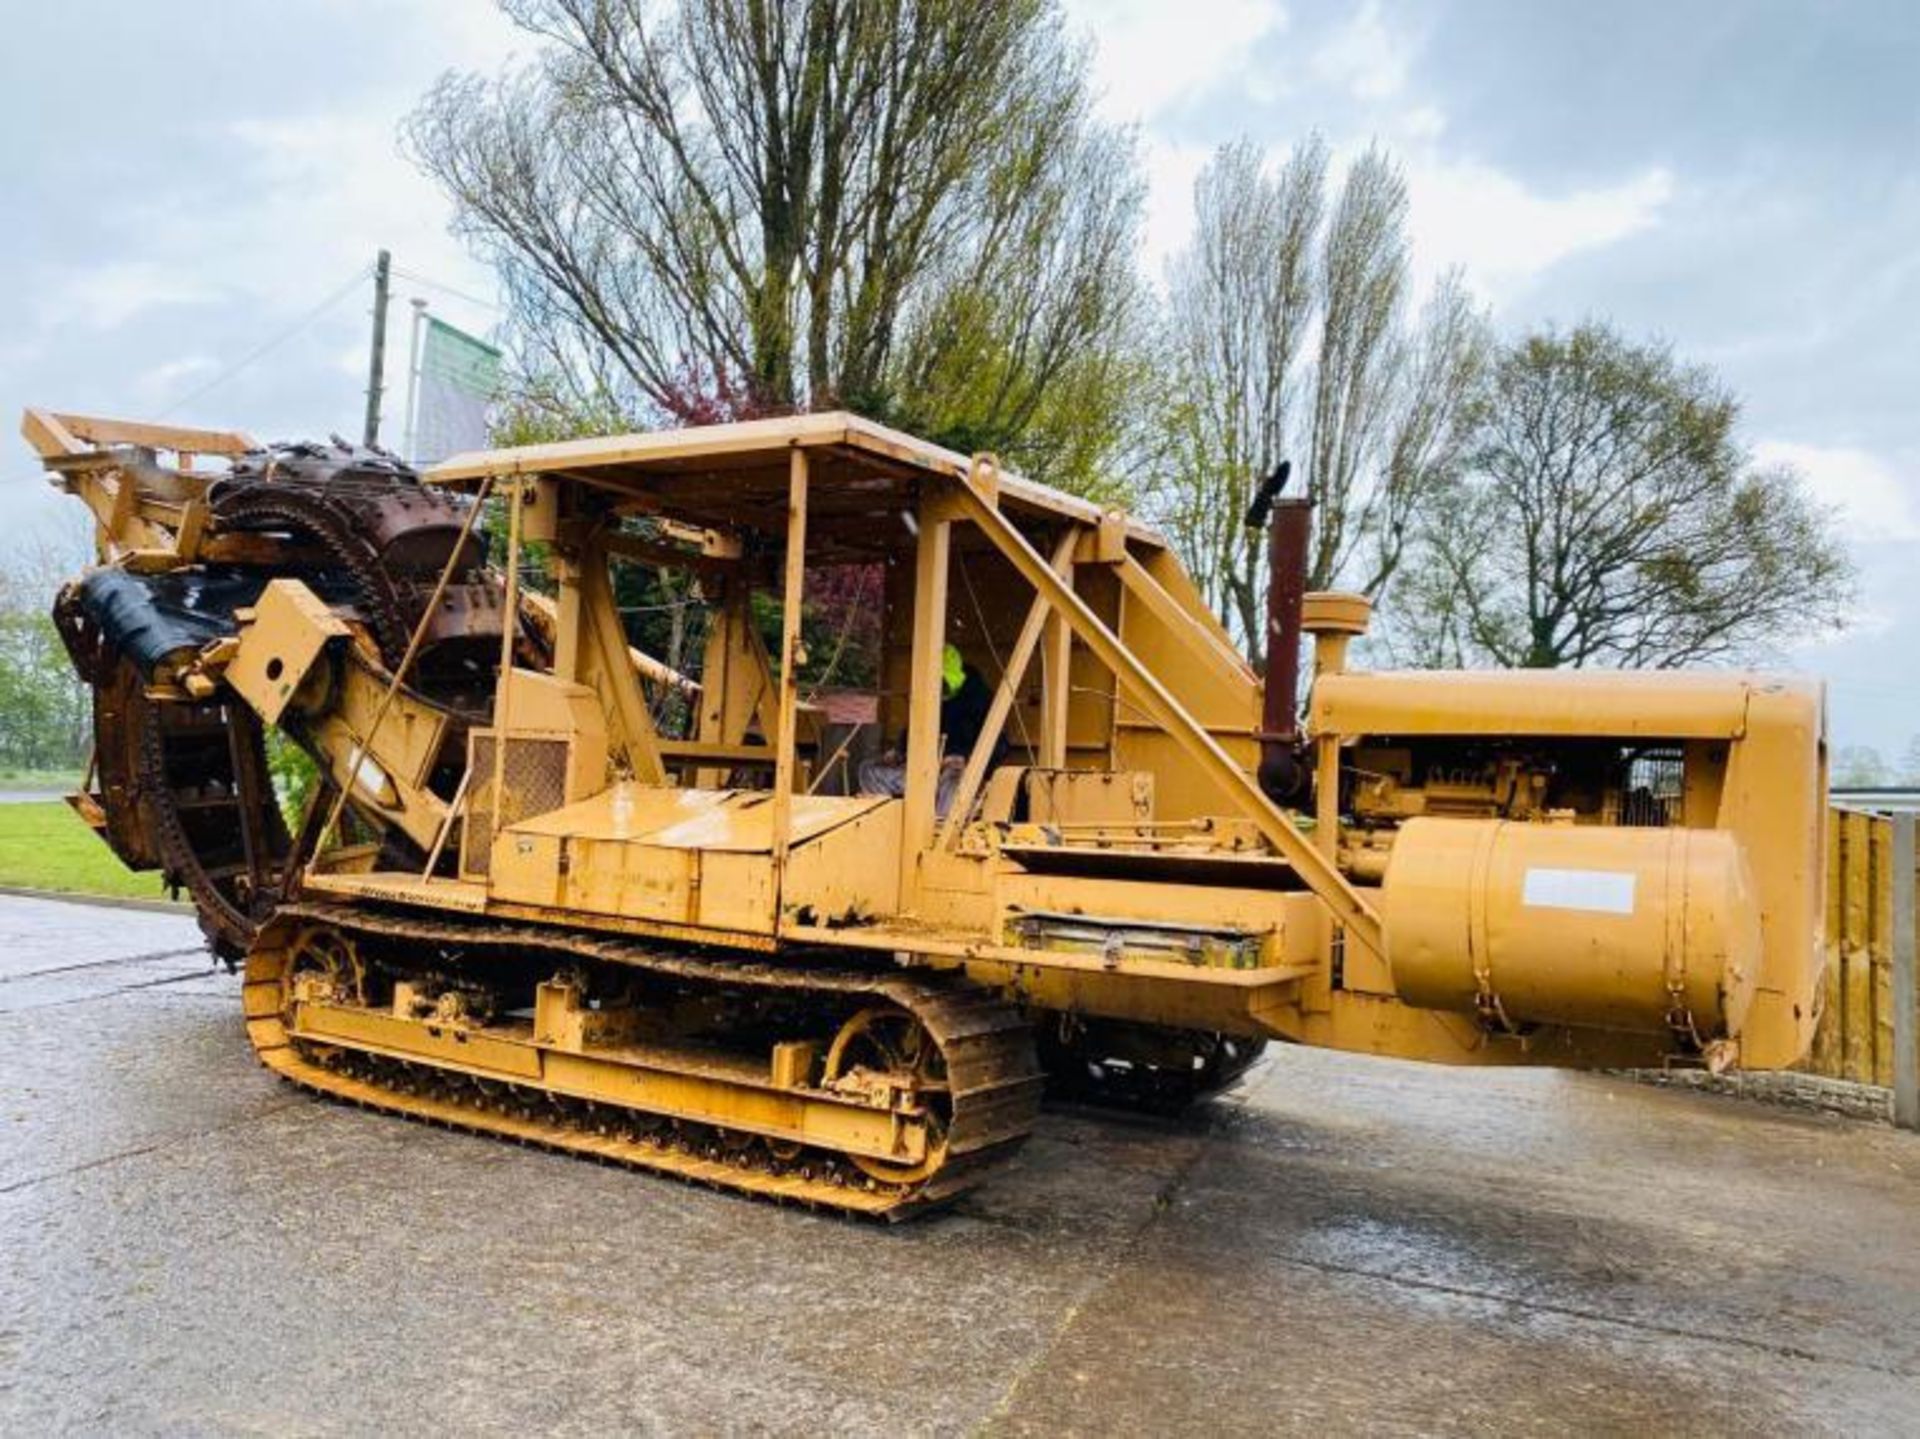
<point x="296" y="666"/>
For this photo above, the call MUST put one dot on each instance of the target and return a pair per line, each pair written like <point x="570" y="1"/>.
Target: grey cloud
<point x="1788" y="253"/>
<point x="118" y="145"/>
<point x="1563" y="91"/>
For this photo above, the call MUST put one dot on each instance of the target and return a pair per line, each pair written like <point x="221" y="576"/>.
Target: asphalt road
<point x="1347" y="1245"/>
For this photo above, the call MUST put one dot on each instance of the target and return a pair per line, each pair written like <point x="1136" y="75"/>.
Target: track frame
<point x="860" y="1146"/>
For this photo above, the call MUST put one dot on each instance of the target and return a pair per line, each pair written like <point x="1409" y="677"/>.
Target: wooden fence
<point x="1869" y="958"/>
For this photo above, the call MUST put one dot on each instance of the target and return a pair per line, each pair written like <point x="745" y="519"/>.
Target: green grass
<point x="45" y="846"/>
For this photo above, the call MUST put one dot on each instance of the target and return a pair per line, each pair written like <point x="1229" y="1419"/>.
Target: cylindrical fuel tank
<point x="1601" y="927"/>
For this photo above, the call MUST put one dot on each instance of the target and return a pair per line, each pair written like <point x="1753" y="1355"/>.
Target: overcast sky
<point x="182" y="184"/>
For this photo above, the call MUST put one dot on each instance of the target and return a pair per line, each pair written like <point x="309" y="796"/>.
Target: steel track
<point x="995" y="1080"/>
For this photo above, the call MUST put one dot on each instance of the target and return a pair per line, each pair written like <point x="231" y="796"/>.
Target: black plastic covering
<point x="149" y="617"/>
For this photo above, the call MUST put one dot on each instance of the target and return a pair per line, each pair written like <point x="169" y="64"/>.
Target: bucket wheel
<point x="881" y="1049"/>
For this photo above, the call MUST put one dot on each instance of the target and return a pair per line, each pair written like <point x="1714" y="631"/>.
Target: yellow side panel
<point x="737" y="821"/>
<point x="702" y="857"/>
<point x="608" y="877"/>
<point x="853" y="870"/>
<point x="1220" y="701"/>
<point x="956" y="890"/>
<point x="1775" y="801"/>
<point x="1855" y="1038"/>
<point x="1856" y="956"/>
<point x="1880" y="955"/>
<point x="525" y="869"/>
<point x="1181" y="789"/>
<point x="736" y="891"/>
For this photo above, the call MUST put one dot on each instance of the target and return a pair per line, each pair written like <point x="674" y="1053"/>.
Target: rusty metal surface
<point x="376" y="533"/>
<point x="191" y="1249"/>
<point x="386" y="532"/>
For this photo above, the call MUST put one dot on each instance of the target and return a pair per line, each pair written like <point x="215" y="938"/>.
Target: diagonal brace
<point x="1313" y="867"/>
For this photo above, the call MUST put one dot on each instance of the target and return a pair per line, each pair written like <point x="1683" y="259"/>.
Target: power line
<point x="445" y="289"/>
<point x="271" y="345"/>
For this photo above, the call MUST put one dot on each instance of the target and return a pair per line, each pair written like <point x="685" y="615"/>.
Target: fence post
<point x="1906" y="1043"/>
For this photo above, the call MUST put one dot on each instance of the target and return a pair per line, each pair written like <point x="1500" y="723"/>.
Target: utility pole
<point x="382" y="275"/>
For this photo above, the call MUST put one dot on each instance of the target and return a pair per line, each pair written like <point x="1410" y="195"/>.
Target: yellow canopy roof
<point x="722" y="476"/>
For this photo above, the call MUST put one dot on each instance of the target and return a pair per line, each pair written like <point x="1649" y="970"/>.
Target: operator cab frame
<point x="749" y="510"/>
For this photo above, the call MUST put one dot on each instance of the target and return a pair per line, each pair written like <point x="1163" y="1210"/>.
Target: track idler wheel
<point x="324" y="962"/>
<point x="888" y="1053"/>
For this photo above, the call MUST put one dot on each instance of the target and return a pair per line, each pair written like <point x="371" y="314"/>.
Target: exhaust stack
<point x="1288" y="523"/>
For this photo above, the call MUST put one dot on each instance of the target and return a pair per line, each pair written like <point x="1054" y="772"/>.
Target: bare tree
<point x="1287" y="337"/>
<point x="1241" y="302"/>
<point x="817" y="201"/>
<point x="1608" y="516"/>
<point x="1859" y="766"/>
<point x="1433" y="408"/>
<point x="1363" y="276"/>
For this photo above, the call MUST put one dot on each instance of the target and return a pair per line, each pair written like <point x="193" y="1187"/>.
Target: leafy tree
<point x="1859" y="766"/>
<point x="1609" y="516"/>
<point x="45" y="714"/>
<point x="1287" y="335"/>
<point x="903" y="208"/>
<point x="1910" y="762"/>
<point x="294" y="775"/>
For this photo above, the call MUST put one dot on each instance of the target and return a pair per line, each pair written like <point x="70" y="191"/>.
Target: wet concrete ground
<point x="1347" y="1245"/>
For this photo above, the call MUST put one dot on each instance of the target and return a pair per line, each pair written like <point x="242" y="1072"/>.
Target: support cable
<point x="265" y="349"/>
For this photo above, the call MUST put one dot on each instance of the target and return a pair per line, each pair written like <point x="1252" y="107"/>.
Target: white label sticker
<point x="1600" y="891"/>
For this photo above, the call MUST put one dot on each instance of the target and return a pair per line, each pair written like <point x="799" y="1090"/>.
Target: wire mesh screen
<point x="533" y="781"/>
<point x="1655" y="787"/>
